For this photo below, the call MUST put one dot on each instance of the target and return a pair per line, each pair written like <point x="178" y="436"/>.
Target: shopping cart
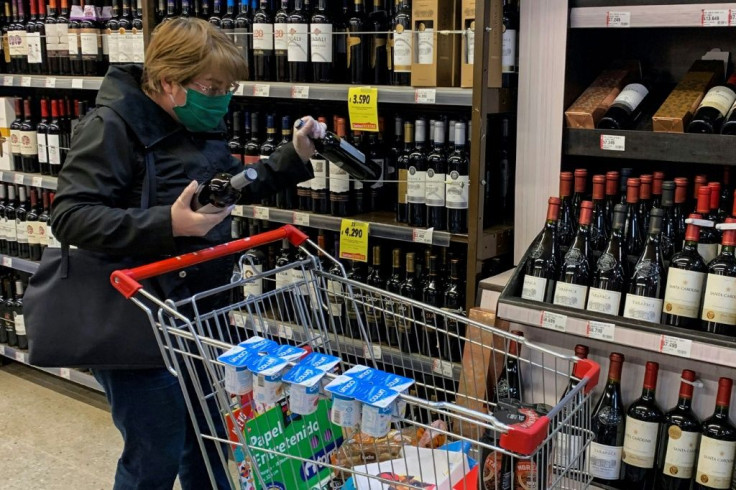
<point x="448" y="430"/>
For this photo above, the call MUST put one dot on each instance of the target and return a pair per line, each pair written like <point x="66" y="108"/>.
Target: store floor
<point x="54" y="434"/>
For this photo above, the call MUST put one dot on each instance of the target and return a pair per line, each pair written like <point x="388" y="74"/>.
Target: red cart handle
<point x="126" y="280"/>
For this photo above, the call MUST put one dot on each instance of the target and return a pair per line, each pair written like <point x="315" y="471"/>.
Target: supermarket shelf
<point x="22" y="178"/>
<point x="18" y="264"/>
<point x="382" y="224"/>
<point x="648" y="145"/>
<point x="51" y="82"/>
<point x="72" y="375"/>
<point x="680" y="14"/>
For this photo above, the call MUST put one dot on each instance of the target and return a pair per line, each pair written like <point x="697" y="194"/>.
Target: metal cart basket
<point x="448" y="430"/>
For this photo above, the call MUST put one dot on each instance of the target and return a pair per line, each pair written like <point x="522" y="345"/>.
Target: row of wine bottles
<point x="40" y="134"/>
<point x="12" y="326"/>
<point x="24" y="221"/>
<point x="428" y="176"/>
<point x="437" y="279"/>
<point x="43" y="37"/>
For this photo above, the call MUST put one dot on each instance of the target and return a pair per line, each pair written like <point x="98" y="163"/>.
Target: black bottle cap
<point x="668" y="194"/>
<point x="655" y="221"/>
<point x="619" y="216"/>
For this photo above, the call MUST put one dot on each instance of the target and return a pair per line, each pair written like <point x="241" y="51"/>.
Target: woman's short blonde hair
<point x="184" y="48"/>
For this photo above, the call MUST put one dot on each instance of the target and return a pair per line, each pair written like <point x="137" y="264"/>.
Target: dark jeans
<point x="149" y="410"/>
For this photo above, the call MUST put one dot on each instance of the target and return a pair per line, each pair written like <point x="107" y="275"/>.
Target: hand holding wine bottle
<point x="306" y="130"/>
<point x="186" y="222"/>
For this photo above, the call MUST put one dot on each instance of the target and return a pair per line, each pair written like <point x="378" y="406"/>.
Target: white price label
<point x="715" y="18"/>
<point x="613" y="143"/>
<point x="20" y="357"/>
<point x="50" y="82"/>
<point x="261" y="327"/>
<point x="618" y="19"/>
<point x="261" y="213"/>
<point x="25" y="81"/>
<point x="18" y="179"/>
<point x="425" y="95"/>
<point x="2" y="176"/>
<point x="675" y="346"/>
<point x="7" y="262"/>
<point x="65" y="373"/>
<point x="300" y="92"/>
<point x="443" y="368"/>
<point x="237" y="319"/>
<point x="238" y="211"/>
<point x="261" y="90"/>
<point x="553" y="321"/>
<point x="376" y="351"/>
<point x="2" y="350"/>
<point x="37" y="181"/>
<point x="601" y="331"/>
<point x="8" y="80"/>
<point x="301" y="219"/>
<point x="732" y="18"/>
<point x="422" y="236"/>
<point x="77" y="83"/>
<point x="286" y="332"/>
<point x="240" y="91"/>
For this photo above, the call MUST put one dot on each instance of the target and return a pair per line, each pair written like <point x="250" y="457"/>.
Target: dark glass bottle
<point x="393" y="285"/>
<point x="252" y="149"/>
<point x="7" y="65"/>
<point x="608" y="425"/>
<point x="457" y="190"/>
<point x="647" y="284"/>
<point x="319" y="187"/>
<point x="708" y="244"/>
<point x="453" y="301"/>
<point x="657" y="180"/>
<point x="360" y="202"/>
<point x="336" y="295"/>
<point x="543" y="262"/>
<point x="509" y="42"/>
<point x="11" y="231"/>
<point x="281" y="42"/>
<point x="378" y="24"/>
<point x="669" y="222"/>
<point x="685" y="280"/>
<point x="402" y="164"/>
<point x="284" y="301"/>
<point x="570" y="440"/>
<point x="566" y="226"/>
<point x="20" y="27"/>
<point x="42" y="138"/>
<point x="236" y="141"/>
<point x="580" y="194"/>
<point x="111" y="37"/>
<point x="263" y="43"/>
<point x="340" y="195"/>
<point x="340" y="26"/>
<point x="432" y="296"/>
<point x="221" y="191"/>
<point x="243" y="36"/>
<point x="715" y="203"/>
<point x="29" y="140"/>
<point x="90" y="44"/>
<point x="401" y="44"/>
<point x="714" y="107"/>
<point x="8" y="312"/>
<point x="700" y="181"/>
<point x="635" y="232"/>
<point x="410" y="337"/>
<point x="717" y="444"/>
<point x="36" y="38"/>
<point x="75" y="49"/>
<point x="34" y="240"/>
<point x="16" y="137"/>
<point x="679" y="212"/>
<point x="322" y="44"/>
<point x="3" y="222"/>
<point x="625" y="110"/>
<point x="373" y="316"/>
<point x="3" y="307"/>
<point x="298" y="44"/>
<point x="358" y="45"/>
<point x="375" y="152"/>
<point x="21" y="212"/>
<point x="645" y="200"/>
<point x="640" y="437"/>
<point x="611" y="195"/>
<point x="417" y="178"/>
<point x="43" y="220"/>
<point x="623" y="182"/>
<point x="136" y="39"/>
<point x="354" y="310"/>
<point x="719" y="301"/>
<point x="599" y="226"/>
<point x="267" y="148"/>
<point x="610" y="277"/>
<point x="434" y="188"/>
<point x="509" y="384"/>
<point x="679" y="435"/>
<point x="286" y="198"/>
<point x="575" y="272"/>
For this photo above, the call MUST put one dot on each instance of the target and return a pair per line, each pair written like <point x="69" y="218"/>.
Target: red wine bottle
<point x="393" y="285"/>
<point x="321" y="44"/>
<point x="281" y="42"/>
<point x="410" y="340"/>
<point x="670" y="235"/>
<point x="685" y="281"/>
<point x="679" y="211"/>
<point x="625" y="110"/>
<point x="542" y="264"/>
<point x="453" y="301"/>
<point x="434" y="188"/>
<point x="608" y="424"/>
<point x="431" y="295"/>
<point x="635" y="231"/>
<point x="581" y="180"/>
<point x="221" y="191"/>
<point x="657" y="180"/>
<point x="611" y="274"/>
<point x="417" y="178"/>
<point x="717" y="444"/>
<point x="700" y="181"/>
<point x="401" y="43"/>
<point x="713" y="108"/>
<point x="623" y="182"/>
<point x="566" y="225"/>
<point x="719" y="301"/>
<point x="645" y="200"/>
<point x="572" y="287"/>
<point x="599" y="226"/>
<point x="509" y="385"/>
<point x="263" y="57"/>
<point x="340" y="204"/>
<point x="715" y="202"/>
<point x="457" y="196"/>
<point x="678" y="440"/>
<point x="640" y="438"/>
<point x="402" y="164"/>
<point x="298" y="43"/>
<point x="708" y="244"/>
<point x="373" y="315"/>
<point x="646" y="288"/>
<point x="570" y="440"/>
<point x="611" y="196"/>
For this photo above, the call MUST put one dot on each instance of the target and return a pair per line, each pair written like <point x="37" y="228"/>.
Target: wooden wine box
<point x="436" y="55"/>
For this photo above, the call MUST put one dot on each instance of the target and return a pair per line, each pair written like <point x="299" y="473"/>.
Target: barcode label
<point x="376" y="351"/>
<point x="18" y="179"/>
<point x="25" y="81"/>
<point x="601" y="331"/>
<point x="443" y="368"/>
<point x="618" y="19"/>
<point x="261" y="90"/>
<point x="50" y="82"/>
<point x="425" y="95"/>
<point x="675" y="346"/>
<point x="77" y="83"/>
<point x="37" y="181"/>
<point x="65" y="373"/>
<point x="261" y="213"/>
<point x="20" y="357"/>
<point x="613" y="143"/>
<point x="286" y="332"/>
<point x="301" y="219"/>
<point x="8" y="80"/>
<point x="2" y="350"/>
<point x="240" y="91"/>
<point x="238" y="211"/>
<point x="7" y="262"/>
<point x="422" y="236"/>
<point x="715" y="18"/>
<point x="553" y="321"/>
<point x="300" y="92"/>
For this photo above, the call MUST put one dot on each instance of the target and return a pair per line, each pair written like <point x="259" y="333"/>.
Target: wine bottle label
<point x="568" y="450"/>
<point x="20" y="323"/>
<point x="52" y="39"/>
<point x="415" y="185"/>
<point x="52" y="146"/>
<point x="255" y="287"/>
<point x="382" y="165"/>
<point x="106" y="43"/>
<point x="683" y="292"/>
<point x="319" y="182"/>
<point x="263" y="37"/>
<point x="508" y="51"/>
<point x="425" y="47"/>
<point x="715" y="463"/>
<point x="42" y="145"/>
<point x="719" y="303"/>
<point x="62" y="36"/>
<point x="604" y="301"/>
<point x="73" y="42"/>
<point x="34" y="47"/>
<point x="640" y="443"/>
<point x="339" y="179"/>
<point x="4" y="229"/>
<point x="604" y="462"/>
<point x="357" y="185"/>
<point x="297" y="276"/>
<point x="402" y="41"/>
<point x="42" y="232"/>
<point x="51" y="239"/>
<point x="113" y="46"/>
<point x="321" y="43"/>
<point x="137" y="46"/>
<point x="434" y="189"/>
<point x="682" y="447"/>
<point x="534" y="288"/>
<point x="241" y="38"/>
<point x="13" y="42"/>
<point x="21" y="231"/>
<point x="403" y="185"/>
<point x="298" y="42"/>
<point x="280" y="37"/>
<point x="571" y="295"/>
<point x="720" y="98"/>
<point x="28" y="143"/>
<point x="470" y="43"/>
<point x="334" y="294"/>
<point x="372" y="314"/>
<point x="457" y="190"/>
<point x="643" y="308"/>
<point x="88" y="42"/>
<point x="15" y="138"/>
<point x="708" y="251"/>
<point x="283" y="279"/>
<point x="12" y="233"/>
<point x="22" y="43"/>
<point x="631" y="96"/>
<point x="31" y="229"/>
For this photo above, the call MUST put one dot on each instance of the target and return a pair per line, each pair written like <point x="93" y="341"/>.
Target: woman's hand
<point x="185" y="222"/>
<point x="302" y="139"/>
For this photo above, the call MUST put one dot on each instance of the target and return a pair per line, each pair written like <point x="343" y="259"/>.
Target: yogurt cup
<point x="238" y="379"/>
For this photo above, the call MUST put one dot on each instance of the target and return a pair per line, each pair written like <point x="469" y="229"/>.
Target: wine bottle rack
<point x="73" y="375"/>
<point x="18" y="264"/>
<point x="51" y="82"/>
<point x="23" y="178"/>
<point x="680" y="14"/>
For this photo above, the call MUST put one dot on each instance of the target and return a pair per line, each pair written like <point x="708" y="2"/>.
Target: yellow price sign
<point x="363" y="108"/>
<point x="354" y="240"/>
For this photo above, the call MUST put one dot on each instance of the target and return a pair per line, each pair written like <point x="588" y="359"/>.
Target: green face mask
<point x="202" y="112"/>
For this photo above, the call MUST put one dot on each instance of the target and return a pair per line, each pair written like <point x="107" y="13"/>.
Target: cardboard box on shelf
<point x="7" y="116"/>
<point x="467" y="48"/>
<point x="436" y="56"/>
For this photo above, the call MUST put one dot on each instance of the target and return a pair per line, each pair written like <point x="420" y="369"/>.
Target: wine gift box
<point x="436" y="58"/>
<point x="467" y="49"/>
<point x="677" y="110"/>
<point x="7" y="116"/>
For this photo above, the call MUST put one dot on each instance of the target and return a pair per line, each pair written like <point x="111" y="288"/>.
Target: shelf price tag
<point x="300" y="92"/>
<point x="286" y="332"/>
<point x="443" y="368"/>
<point x="732" y="18"/>
<point x="25" y="81"/>
<point x="376" y="352"/>
<point x="715" y="18"/>
<point x="65" y="373"/>
<point x="422" y="236"/>
<point x="240" y="91"/>
<point x="425" y="95"/>
<point x="50" y="82"/>
<point x="77" y="83"/>
<point x="261" y="90"/>
<point x="18" y="179"/>
<point x="553" y="321"/>
<point x="261" y="213"/>
<point x="37" y="181"/>
<point x="20" y="357"/>
<point x="613" y="142"/>
<point x="363" y="108"/>
<point x="7" y="261"/>
<point x="354" y="240"/>
<point x="675" y="346"/>
<point x="301" y="219"/>
<point x="8" y="80"/>
<point x="2" y="350"/>
<point x="618" y="19"/>
<point x="238" y="211"/>
<point x="601" y="331"/>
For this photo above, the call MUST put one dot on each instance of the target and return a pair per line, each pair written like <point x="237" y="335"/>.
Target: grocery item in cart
<point x="304" y="389"/>
<point x="238" y="379"/>
<point x="378" y="406"/>
<point x="345" y="406"/>
<point x="268" y="388"/>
